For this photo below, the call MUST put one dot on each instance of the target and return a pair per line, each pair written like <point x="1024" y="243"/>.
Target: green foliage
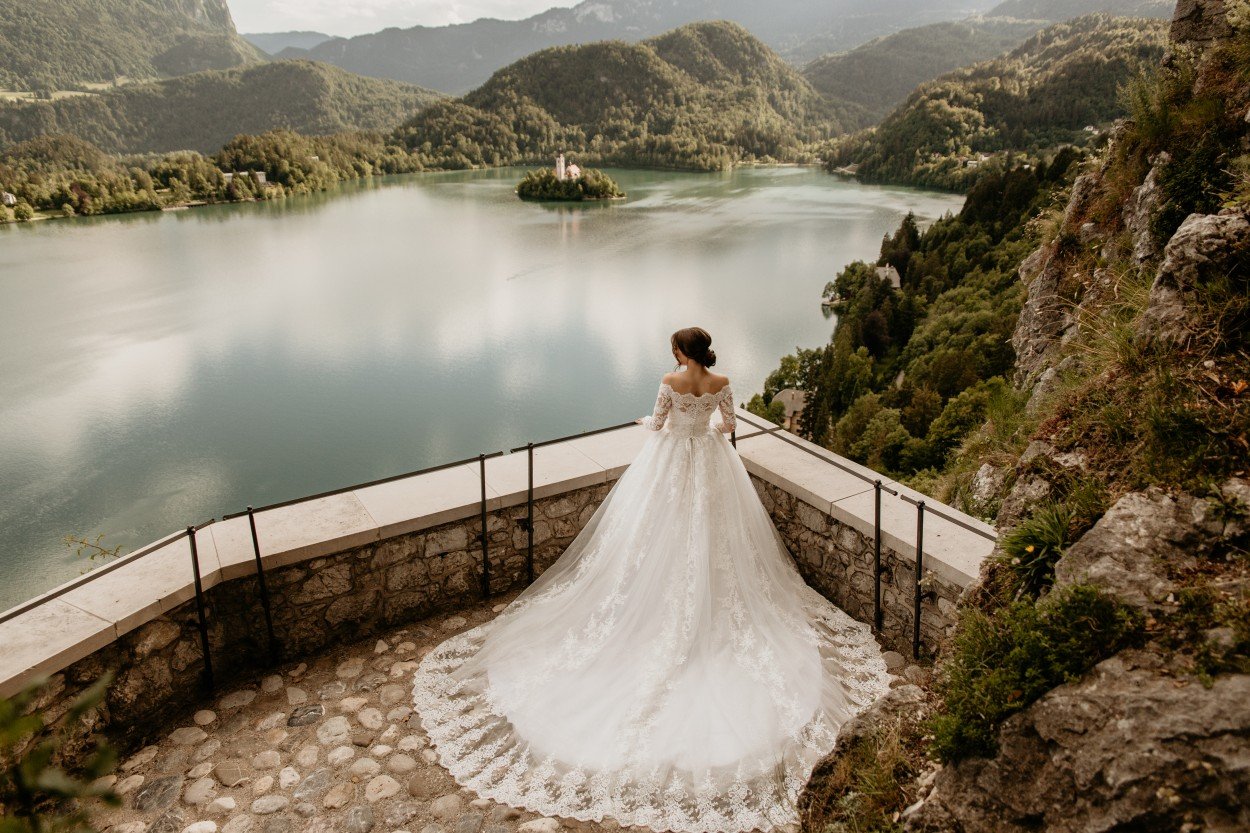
<point x="872" y="778"/>
<point x="702" y="97"/>
<point x="881" y="74"/>
<point x="1213" y="627"/>
<point x="63" y="44"/>
<point x="1037" y="97"/>
<point x="911" y="372"/>
<point x="1032" y="548"/>
<point x="92" y="550"/>
<point x="205" y="110"/>
<point x="61" y="174"/>
<point x="37" y="793"/>
<point x="1000" y="663"/>
<point x="774" y="411"/>
<point x="590" y="185"/>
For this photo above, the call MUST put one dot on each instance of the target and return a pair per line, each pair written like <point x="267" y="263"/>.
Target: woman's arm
<point x="659" y="415"/>
<point x="728" y="422"/>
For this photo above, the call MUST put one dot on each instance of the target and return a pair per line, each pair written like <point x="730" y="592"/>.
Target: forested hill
<point x="204" y="110"/>
<point x="704" y="96"/>
<point x="879" y="75"/>
<point x="62" y="44"/>
<point x="457" y="58"/>
<point x="1040" y="95"/>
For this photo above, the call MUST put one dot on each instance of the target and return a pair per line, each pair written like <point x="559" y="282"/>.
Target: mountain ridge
<point x="703" y="96"/>
<point x="99" y="41"/>
<point x="1040" y="95"/>
<point x="202" y="111"/>
<point x="461" y="57"/>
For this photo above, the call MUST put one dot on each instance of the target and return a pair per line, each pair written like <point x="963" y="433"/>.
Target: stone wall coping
<point x="81" y="616"/>
<point x="950" y="551"/>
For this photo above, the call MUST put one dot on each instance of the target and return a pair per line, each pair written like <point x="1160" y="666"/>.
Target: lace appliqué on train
<point x="670" y="670"/>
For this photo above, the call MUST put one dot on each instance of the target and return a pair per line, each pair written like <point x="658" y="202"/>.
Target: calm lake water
<point x="160" y="369"/>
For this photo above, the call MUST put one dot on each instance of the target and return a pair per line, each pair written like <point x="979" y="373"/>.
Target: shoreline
<point x="41" y="215"/>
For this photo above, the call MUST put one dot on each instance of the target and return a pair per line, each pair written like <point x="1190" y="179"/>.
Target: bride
<point x="671" y="670"/>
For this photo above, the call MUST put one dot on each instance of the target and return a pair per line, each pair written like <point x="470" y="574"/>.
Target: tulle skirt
<point x="671" y="670"/>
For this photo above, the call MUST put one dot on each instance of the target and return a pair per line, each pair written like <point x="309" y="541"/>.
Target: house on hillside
<point x="259" y="177"/>
<point x="7" y="199"/>
<point x="793" y="401"/>
<point x="889" y="273"/>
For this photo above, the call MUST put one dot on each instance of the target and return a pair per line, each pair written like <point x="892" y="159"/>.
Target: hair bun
<point x="695" y="343"/>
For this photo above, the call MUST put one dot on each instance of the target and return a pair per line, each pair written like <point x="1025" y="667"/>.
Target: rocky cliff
<point x="1130" y="495"/>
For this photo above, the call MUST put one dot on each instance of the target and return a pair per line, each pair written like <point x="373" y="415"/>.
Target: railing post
<point x="876" y="557"/>
<point x="481" y="463"/>
<point x="264" y="589"/>
<point x="915" y="624"/>
<point x="199" y="607"/>
<point x="529" y="523"/>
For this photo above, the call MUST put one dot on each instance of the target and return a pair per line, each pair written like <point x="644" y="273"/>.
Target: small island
<point x="568" y="183"/>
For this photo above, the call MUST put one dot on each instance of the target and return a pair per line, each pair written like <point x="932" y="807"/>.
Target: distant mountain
<point x="1038" y="96"/>
<point x="205" y="110"/>
<point x="458" y="58"/>
<point x="879" y="75"/>
<point x="704" y="96"/>
<point x="62" y="44"/>
<point x="272" y="43"/>
<point x="1057" y="10"/>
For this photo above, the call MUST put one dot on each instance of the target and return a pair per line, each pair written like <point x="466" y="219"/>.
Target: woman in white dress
<point x="671" y="670"/>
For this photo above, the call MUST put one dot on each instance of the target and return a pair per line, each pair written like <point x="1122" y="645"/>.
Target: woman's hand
<point x="639" y="421"/>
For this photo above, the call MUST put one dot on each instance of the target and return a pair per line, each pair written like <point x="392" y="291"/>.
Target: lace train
<point x="671" y="670"/>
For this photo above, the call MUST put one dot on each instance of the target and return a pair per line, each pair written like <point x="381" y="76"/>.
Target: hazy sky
<point x="354" y="17"/>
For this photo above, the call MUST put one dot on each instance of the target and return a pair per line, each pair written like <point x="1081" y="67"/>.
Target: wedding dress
<point x="671" y="670"/>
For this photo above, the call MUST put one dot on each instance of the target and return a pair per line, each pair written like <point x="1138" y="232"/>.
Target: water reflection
<point x="161" y="368"/>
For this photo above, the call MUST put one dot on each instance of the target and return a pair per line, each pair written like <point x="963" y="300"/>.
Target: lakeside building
<point x="793" y="401"/>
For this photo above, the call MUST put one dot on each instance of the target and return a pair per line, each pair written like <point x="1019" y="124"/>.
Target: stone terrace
<point x="329" y="744"/>
<point x="364" y="582"/>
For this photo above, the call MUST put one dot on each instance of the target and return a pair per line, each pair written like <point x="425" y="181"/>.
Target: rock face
<point x="1140" y="212"/>
<point x="1200" y="21"/>
<point x="1205" y="249"/>
<point x="1127" y="747"/>
<point x="1126" y="552"/>
<point x="1116" y="751"/>
<point x="904" y="702"/>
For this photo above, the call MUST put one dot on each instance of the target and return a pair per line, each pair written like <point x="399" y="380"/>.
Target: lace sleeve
<point x="663" y="404"/>
<point x="728" y="422"/>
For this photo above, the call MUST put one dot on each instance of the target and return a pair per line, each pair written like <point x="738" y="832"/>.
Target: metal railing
<point x="919" y="593"/>
<point x="275" y="647"/>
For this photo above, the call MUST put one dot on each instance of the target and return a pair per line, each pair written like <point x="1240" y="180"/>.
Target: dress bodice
<point x="690" y="414"/>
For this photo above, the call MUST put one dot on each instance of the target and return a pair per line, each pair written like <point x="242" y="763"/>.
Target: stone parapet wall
<point x="836" y="559"/>
<point x="316" y="605"/>
<point x="343" y="567"/>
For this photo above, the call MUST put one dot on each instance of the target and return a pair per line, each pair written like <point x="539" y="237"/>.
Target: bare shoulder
<point x="669" y="378"/>
<point x="718" y="381"/>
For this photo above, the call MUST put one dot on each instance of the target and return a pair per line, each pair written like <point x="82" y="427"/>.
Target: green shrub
<point x="774" y="411"/>
<point x="37" y="794"/>
<point x="1002" y="662"/>
<point x="1031" y="550"/>
<point x="1201" y="612"/>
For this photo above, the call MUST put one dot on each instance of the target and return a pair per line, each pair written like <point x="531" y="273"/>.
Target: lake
<point x="160" y="369"/>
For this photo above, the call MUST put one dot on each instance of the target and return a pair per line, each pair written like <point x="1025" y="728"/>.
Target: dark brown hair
<point x="695" y="343"/>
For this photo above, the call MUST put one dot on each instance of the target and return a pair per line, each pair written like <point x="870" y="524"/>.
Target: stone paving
<point x="327" y="744"/>
<point x="324" y="745"/>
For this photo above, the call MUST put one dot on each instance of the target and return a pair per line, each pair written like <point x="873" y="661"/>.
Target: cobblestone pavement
<point x="326" y="745"/>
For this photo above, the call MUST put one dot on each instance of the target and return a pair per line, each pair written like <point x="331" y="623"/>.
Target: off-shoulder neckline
<point x="694" y="395"/>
